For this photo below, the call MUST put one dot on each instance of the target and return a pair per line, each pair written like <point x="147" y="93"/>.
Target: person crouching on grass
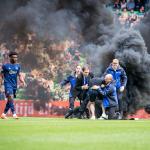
<point x="10" y="72"/>
<point x="109" y="93"/>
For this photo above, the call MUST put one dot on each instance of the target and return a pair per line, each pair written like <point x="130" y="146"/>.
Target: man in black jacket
<point x="82" y="84"/>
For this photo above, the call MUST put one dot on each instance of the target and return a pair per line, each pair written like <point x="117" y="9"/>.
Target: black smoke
<point x="60" y="19"/>
<point x="132" y="52"/>
<point x="42" y="17"/>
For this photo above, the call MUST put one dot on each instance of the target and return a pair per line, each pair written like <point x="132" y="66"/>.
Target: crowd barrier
<point x="31" y="108"/>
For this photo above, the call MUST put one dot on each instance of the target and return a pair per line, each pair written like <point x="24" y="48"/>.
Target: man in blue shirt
<point x="71" y="79"/>
<point x="120" y="78"/>
<point x="9" y="74"/>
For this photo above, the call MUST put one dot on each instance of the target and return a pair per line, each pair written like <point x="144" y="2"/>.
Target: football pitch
<point x="73" y="134"/>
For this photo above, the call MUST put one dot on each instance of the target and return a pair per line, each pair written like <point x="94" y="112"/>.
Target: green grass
<point x="61" y="134"/>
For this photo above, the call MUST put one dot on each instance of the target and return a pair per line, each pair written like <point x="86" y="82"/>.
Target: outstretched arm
<point x="106" y="92"/>
<point x="21" y="79"/>
<point x="64" y="82"/>
<point x="1" y="79"/>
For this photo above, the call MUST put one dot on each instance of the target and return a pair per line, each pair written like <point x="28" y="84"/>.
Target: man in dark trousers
<point x="120" y="78"/>
<point x="10" y="73"/>
<point x="71" y="79"/>
<point x="82" y="84"/>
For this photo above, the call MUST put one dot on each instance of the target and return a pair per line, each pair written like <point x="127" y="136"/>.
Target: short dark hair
<point x="86" y="67"/>
<point x="13" y="53"/>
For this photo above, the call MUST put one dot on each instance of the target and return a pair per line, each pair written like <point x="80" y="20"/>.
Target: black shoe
<point x="68" y="114"/>
<point x="119" y="115"/>
<point x="79" y="116"/>
<point x="87" y="115"/>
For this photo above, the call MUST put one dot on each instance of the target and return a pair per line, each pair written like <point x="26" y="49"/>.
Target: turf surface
<point x="73" y="134"/>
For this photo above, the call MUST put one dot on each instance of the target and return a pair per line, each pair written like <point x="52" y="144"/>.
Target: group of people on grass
<point x="97" y="93"/>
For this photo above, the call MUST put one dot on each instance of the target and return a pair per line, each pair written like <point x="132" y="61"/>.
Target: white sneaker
<point x="3" y="116"/>
<point x="103" y="117"/>
<point x="15" y="116"/>
<point x="120" y="116"/>
<point x="92" y="118"/>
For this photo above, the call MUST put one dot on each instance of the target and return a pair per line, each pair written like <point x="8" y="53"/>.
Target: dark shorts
<point x="10" y="91"/>
<point x="93" y="95"/>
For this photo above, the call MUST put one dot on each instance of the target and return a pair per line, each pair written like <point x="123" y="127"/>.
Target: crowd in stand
<point x="130" y="12"/>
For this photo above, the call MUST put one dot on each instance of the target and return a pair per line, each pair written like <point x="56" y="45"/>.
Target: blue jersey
<point x="10" y="73"/>
<point x="72" y="80"/>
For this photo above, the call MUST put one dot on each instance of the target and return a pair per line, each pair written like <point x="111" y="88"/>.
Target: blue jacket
<point x="119" y="76"/>
<point x="109" y="94"/>
<point x="72" y="80"/>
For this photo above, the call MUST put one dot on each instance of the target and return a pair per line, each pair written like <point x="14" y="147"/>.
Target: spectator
<point x="142" y="9"/>
<point x="77" y="55"/>
<point x="117" y="5"/>
<point x="138" y="5"/>
<point x="2" y="95"/>
<point x="130" y="5"/>
<point x="141" y="12"/>
<point x="132" y="18"/>
<point x="4" y="53"/>
<point x="123" y="4"/>
<point x="124" y="16"/>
